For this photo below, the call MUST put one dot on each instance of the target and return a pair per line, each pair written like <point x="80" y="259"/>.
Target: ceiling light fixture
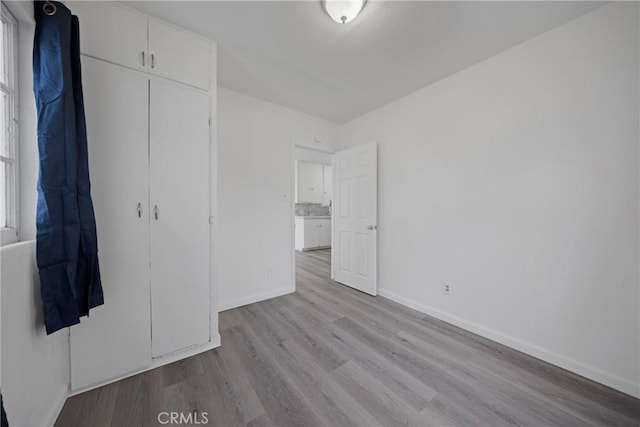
<point x="343" y="11"/>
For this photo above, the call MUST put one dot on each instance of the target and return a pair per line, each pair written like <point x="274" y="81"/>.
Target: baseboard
<point x="255" y="298"/>
<point x="590" y="372"/>
<point x="156" y="363"/>
<point x="179" y="355"/>
<point x="313" y="249"/>
<point x="57" y="407"/>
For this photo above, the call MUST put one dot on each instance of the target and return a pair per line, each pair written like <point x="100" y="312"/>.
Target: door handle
<point x="155" y="212"/>
<point x="372" y="227"/>
<point x="139" y="207"/>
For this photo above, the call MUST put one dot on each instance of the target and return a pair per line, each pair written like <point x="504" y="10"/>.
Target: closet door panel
<point x="116" y="338"/>
<point x="122" y="43"/>
<point x="178" y="55"/>
<point x="179" y="153"/>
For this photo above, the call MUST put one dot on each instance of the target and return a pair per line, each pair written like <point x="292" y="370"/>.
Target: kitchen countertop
<point x="314" y="217"/>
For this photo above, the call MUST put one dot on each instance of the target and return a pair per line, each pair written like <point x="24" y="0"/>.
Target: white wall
<point x="255" y="216"/>
<point x="34" y="367"/>
<point x="516" y="182"/>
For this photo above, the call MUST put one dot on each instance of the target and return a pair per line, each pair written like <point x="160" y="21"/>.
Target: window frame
<point x="10" y="234"/>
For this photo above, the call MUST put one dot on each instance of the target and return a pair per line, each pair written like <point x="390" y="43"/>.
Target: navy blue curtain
<point x="67" y="246"/>
<point x="3" y="416"/>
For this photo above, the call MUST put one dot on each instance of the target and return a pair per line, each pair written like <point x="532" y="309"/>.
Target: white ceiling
<point x="291" y="53"/>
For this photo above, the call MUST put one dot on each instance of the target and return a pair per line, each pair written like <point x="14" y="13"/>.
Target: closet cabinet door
<point x="124" y="43"/>
<point x="116" y="338"/>
<point x="178" y="55"/>
<point x="179" y="153"/>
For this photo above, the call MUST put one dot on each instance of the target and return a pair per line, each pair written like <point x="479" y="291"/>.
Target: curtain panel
<point x="66" y="245"/>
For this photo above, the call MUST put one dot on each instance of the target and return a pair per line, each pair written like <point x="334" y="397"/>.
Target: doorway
<point x="335" y="229"/>
<point x="312" y="204"/>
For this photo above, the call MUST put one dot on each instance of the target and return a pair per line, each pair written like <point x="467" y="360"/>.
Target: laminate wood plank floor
<point x="328" y="355"/>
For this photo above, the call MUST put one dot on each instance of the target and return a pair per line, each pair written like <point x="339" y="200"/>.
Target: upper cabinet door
<point x="309" y="189"/>
<point x="178" y="55"/>
<point x="124" y="43"/>
<point x="327" y="185"/>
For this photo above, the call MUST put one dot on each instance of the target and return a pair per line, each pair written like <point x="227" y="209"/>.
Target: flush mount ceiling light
<point x="343" y="11"/>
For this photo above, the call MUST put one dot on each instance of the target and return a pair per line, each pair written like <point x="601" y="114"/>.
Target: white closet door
<point x="116" y="338"/>
<point x="178" y="55"/>
<point x="179" y="153"/>
<point x="112" y="33"/>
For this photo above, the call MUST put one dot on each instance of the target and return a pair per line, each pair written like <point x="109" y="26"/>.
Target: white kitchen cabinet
<point x="178" y="55"/>
<point x="179" y="194"/>
<point x="142" y="43"/>
<point x="312" y="233"/>
<point x="327" y="185"/>
<point x="115" y="338"/>
<point x="324" y="233"/>
<point x="308" y="183"/>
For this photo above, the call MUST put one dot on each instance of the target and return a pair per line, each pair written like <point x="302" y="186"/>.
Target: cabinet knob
<point x="142" y="57"/>
<point x="153" y="61"/>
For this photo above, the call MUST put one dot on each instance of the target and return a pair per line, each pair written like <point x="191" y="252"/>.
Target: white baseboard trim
<point x="255" y="298"/>
<point x="179" y="355"/>
<point x="156" y="363"/>
<point x="55" y="410"/>
<point x="590" y="372"/>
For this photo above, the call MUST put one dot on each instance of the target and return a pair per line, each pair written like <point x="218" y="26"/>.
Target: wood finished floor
<point x="331" y="356"/>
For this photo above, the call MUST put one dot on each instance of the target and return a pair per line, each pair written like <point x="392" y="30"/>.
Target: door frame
<point x="292" y="203"/>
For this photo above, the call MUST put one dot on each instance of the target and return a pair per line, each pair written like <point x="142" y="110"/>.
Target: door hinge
<point x="210" y="220"/>
<point x="209" y="121"/>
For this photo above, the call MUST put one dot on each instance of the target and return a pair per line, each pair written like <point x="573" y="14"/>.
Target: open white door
<point x="355" y="217"/>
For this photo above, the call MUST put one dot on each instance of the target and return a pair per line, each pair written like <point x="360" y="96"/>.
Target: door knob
<point x="372" y="227"/>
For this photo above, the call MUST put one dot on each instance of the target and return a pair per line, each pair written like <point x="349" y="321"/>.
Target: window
<point x="8" y="129"/>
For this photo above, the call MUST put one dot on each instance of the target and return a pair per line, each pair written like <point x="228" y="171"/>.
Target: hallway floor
<point x="329" y="355"/>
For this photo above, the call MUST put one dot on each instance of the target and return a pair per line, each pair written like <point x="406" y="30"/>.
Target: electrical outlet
<point x="446" y="288"/>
